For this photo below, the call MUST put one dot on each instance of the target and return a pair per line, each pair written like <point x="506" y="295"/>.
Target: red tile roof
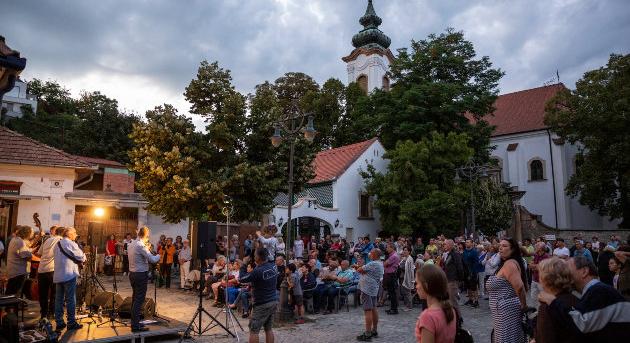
<point x="521" y="111"/>
<point x="18" y="149"/>
<point x="331" y="164"/>
<point x="100" y="161"/>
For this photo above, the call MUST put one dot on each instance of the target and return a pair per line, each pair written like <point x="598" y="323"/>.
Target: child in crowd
<point x="295" y="289"/>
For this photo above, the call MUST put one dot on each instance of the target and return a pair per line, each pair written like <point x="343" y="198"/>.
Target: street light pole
<point x="292" y="123"/>
<point x="472" y="172"/>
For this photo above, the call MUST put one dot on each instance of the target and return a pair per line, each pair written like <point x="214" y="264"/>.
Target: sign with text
<point x="10" y="187"/>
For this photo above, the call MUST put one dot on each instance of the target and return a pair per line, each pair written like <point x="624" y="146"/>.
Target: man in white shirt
<point x="67" y="257"/>
<point x="185" y="257"/>
<point x="45" y="271"/>
<point x="561" y="251"/>
<point x="269" y="241"/>
<point x="298" y="248"/>
<point x="139" y="259"/>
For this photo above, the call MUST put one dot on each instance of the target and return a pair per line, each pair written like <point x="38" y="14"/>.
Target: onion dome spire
<point x="371" y="36"/>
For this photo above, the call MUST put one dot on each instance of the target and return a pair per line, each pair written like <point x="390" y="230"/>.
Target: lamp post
<point x="11" y="65"/>
<point x="472" y="172"/>
<point x="293" y="123"/>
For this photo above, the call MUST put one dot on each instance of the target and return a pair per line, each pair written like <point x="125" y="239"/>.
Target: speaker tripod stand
<point x="196" y="323"/>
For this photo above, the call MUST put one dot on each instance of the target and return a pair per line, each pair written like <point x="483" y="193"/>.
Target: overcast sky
<point x="144" y="53"/>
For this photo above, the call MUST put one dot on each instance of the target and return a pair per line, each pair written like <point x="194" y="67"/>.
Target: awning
<point x="24" y="197"/>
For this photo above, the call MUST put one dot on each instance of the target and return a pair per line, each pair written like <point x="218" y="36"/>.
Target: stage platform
<point x="105" y="333"/>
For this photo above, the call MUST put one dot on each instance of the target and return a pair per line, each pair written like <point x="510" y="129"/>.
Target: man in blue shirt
<point x="263" y="281"/>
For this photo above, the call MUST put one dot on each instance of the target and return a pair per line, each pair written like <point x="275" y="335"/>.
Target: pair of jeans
<point x="15" y="285"/>
<point x="47" y="293"/>
<point x="65" y="292"/>
<point x="165" y="271"/>
<point x="319" y="295"/>
<point x="330" y="296"/>
<point x="390" y="283"/>
<point x="243" y="296"/>
<point x="407" y="295"/>
<point x="139" y="281"/>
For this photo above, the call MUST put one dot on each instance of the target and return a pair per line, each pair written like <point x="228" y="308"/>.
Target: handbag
<point x="462" y="335"/>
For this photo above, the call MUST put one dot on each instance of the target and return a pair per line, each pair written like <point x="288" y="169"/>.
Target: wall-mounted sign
<point x="56" y="183"/>
<point x="10" y="188"/>
<point x="56" y="217"/>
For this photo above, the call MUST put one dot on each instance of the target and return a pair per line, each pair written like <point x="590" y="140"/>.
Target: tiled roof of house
<point x="330" y="164"/>
<point x="100" y="161"/>
<point x="19" y="149"/>
<point x="521" y="111"/>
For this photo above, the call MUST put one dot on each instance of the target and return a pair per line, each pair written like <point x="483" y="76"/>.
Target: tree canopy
<point x="90" y="125"/>
<point x="596" y="117"/>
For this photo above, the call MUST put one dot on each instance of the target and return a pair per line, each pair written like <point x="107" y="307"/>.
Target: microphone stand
<point x="156" y="315"/>
<point x="112" y="311"/>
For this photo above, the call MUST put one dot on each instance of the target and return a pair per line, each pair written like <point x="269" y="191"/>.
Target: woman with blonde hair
<point x="555" y="278"/>
<point x="437" y="323"/>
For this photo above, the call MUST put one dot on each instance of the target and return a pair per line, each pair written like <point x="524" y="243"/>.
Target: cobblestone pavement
<point x="339" y="327"/>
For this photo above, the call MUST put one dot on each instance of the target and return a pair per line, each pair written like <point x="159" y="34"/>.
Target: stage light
<point x="99" y="212"/>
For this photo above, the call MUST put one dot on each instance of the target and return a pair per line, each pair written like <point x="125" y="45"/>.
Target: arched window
<point x="536" y="170"/>
<point x="363" y="82"/>
<point x="385" y="83"/>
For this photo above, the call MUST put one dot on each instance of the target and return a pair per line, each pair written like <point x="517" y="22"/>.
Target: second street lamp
<point x="293" y="124"/>
<point x="472" y="172"/>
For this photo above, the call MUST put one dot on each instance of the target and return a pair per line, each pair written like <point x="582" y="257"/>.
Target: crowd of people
<point x="577" y="292"/>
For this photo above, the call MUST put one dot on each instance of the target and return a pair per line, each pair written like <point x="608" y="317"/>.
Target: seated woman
<point x="555" y="278"/>
<point x="217" y="272"/>
<point x="231" y="283"/>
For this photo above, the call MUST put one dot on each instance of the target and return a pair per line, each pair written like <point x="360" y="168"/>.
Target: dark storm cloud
<point x="145" y="52"/>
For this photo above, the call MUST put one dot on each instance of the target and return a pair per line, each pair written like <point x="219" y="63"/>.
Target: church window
<point x="385" y="83"/>
<point x="365" y="205"/>
<point x="536" y="170"/>
<point x="363" y="82"/>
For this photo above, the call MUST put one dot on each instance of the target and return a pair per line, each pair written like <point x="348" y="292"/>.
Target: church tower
<point x="369" y="62"/>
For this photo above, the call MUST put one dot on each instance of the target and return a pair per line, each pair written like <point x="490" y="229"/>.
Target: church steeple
<point x="369" y="62"/>
<point x="370" y="36"/>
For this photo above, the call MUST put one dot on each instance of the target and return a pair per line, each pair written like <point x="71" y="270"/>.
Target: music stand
<point x="90" y="283"/>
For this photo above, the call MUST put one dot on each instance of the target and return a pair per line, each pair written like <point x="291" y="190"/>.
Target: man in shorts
<point x="263" y="282"/>
<point x="371" y="275"/>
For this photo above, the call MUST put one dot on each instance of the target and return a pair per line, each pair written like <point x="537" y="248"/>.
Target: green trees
<point x="418" y="193"/>
<point x="91" y="125"/>
<point x="596" y="117"/>
<point x="424" y="122"/>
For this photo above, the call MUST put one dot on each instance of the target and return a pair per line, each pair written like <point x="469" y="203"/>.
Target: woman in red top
<point x="110" y="255"/>
<point x="436" y="324"/>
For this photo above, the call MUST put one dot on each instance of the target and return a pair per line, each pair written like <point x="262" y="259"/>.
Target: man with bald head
<point x="340" y="280"/>
<point x="369" y="283"/>
<point x="454" y="268"/>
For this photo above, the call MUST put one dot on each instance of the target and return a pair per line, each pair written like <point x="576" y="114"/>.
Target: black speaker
<point x="205" y="240"/>
<point x="95" y="235"/>
<point x="148" y="308"/>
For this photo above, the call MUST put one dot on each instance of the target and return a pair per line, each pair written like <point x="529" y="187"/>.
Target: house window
<point x="363" y="82"/>
<point x="385" y="83"/>
<point x="365" y="205"/>
<point x="536" y="170"/>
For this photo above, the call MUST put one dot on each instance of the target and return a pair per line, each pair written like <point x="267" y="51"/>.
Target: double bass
<point x="31" y="286"/>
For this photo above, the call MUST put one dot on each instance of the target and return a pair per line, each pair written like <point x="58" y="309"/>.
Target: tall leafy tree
<point x="418" y="194"/>
<point x="493" y="206"/>
<point x="439" y="84"/>
<point x="596" y="117"/>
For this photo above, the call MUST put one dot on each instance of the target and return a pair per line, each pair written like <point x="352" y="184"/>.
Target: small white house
<point x="334" y="201"/>
<point x="18" y="97"/>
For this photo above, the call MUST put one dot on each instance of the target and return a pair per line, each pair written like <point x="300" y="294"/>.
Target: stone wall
<point x="532" y="227"/>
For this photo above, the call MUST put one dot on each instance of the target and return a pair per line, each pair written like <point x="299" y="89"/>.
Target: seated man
<point x="231" y="284"/>
<point x="325" y="281"/>
<point x="216" y="274"/>
<point x="342" y="279"/>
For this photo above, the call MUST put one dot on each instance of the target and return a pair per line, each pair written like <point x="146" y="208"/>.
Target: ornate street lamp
<point x="471" y="172"/>
<point x="292" y="123"/>
<point x="11" y="65"/>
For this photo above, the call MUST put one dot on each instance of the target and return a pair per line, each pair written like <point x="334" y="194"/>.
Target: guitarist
<point x="68" y="257"/>
<point x="45" y="271"/>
